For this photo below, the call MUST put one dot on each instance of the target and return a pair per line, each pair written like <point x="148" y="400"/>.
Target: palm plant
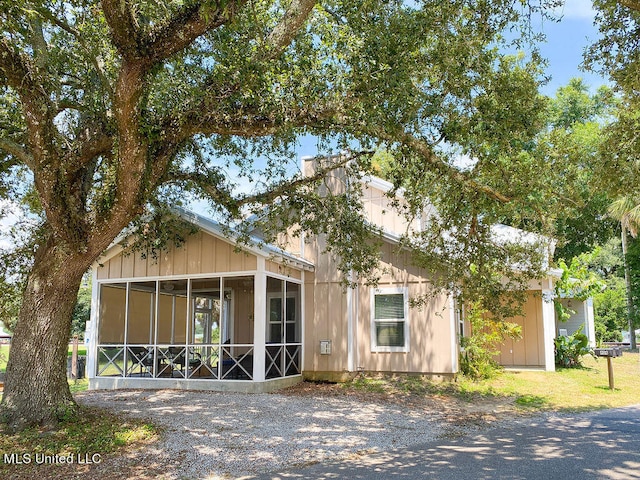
<point x="626" y="210"/>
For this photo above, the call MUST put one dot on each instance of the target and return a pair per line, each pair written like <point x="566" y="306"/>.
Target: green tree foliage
<point x="609" y="293"/>
<point x="627" y="211"/>
<point x="577" y="281"/>
<point x="479" y="349"/>
<point x="610" y="304"/>
<point x="577" y="120"/>
<point x="610" y="311"/>
<point x="569" y="349"/>
<point x="633" y="259"/>
<point x="616" y="55"/>
<point x="116" y="109"/>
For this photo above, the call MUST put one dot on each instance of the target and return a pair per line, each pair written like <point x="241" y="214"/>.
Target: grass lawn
<point x="569" y="389"/>
<point x="4" y="354"/>
<point x="572" y="389"/>
<point x="89" y="433"/>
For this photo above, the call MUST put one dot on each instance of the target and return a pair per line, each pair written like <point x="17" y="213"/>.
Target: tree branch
<point x="97" y="62"/>
<point x="425" y="151"/>
<point x="288" y="27"/>
<point x="287" y="187"/>
<point x="631" y="4"/>
<point x="246" y="123"/>
<point x="39" y="44"/>
<point x="221" y="196"/>
<point x="47" y="15"/>
<point x="123" y="26"/>
<point x="183" y="28"/>
<point x="21" y="75"/>
<point x="17" y="151"/>
<point x="224" y="197"/>
<point x="92" y="144"/>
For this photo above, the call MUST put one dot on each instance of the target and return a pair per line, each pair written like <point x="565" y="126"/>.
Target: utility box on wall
<point x="325" y="347"/>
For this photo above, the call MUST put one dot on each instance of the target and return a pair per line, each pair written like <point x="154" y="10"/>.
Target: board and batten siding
<point x="430" y="332"/>
<point x="430" y="340"/>
<point x="200" y="254"/>
<point x="529" y="350"/>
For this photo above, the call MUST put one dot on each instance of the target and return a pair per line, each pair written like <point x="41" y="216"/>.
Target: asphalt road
<point x="598" y="445"/>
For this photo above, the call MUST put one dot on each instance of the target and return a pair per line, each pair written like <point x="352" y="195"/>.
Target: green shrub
<point x="569" y="349"/>
<point x="478" y="350"/>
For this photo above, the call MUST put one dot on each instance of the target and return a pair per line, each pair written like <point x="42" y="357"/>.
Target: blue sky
<point x="566" y="42"/>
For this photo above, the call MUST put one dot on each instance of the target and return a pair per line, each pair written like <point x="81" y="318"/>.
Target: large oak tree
<point x="112" y="108"/>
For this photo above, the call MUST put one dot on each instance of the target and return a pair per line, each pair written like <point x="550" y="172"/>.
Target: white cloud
<point x="11" y="215"/>
<point x="577" y="9"/>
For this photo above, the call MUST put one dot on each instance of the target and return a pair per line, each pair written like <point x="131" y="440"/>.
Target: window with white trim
<point x="389" y="320"/>
<point x="459" y="315"/>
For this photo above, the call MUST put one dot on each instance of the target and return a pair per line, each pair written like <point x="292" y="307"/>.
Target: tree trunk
<point x="627" y="279"/>
<point x="36" y="390"/>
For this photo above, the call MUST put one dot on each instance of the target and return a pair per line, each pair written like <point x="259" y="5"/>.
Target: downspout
<point x="455" y="344"/>
<point x="350" y="326"/>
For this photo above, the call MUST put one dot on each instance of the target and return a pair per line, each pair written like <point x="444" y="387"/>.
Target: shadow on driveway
<point x="602" y="445"/>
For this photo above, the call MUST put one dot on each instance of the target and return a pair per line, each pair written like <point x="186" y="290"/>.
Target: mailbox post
<point x="609" y="353"/>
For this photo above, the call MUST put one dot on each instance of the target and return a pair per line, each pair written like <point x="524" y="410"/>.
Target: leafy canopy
<point x="114" y="109"/>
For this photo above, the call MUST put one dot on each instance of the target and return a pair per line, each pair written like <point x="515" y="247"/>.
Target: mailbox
<point x="608" y="352"/>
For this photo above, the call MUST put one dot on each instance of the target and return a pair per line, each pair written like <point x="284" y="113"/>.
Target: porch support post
<point x="259" y="321"/>
<point x="455" y="341"/>
<point x="589" y="320"/>
<point x="549" y="329"/>
<point x="350" y="327"/>
<point x="92" y="327"/>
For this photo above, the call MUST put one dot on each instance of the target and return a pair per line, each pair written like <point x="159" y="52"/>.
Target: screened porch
<point x="199" y="328"/>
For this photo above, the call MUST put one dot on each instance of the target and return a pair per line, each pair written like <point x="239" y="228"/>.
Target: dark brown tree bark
<point x="36" y="390"/>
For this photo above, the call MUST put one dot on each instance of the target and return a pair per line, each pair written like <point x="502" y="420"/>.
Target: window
<point x="389" y="325"/>
<point x="283" y="321"/>
<point x="459" y="315"/>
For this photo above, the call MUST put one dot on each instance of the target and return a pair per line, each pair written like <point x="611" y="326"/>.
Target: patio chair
<point x="141" y="356"/>
<point x="239" y="367"/>
<point x="178" y="358"/>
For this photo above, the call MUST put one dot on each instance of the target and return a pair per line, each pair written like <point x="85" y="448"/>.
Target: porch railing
<point x="197" y="361"/>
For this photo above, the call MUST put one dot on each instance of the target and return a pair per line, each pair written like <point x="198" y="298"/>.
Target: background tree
<point x="111" y="110"/>
<point x="577" y="120"/>
<point x="616" y="55"/>
<point x="627" y="211"/>
<point x="609" y="305"/>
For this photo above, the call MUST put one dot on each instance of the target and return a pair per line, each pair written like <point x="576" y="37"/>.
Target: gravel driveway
<point x="229" y="435"/>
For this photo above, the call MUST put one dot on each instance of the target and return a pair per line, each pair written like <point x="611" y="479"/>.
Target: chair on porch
<point x="239" y="367"/>
<point x="178" y="358"/>
<point x="142" y="357"/>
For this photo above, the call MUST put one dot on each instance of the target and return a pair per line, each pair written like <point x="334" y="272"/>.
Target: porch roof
<point x="256" y="246"/>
